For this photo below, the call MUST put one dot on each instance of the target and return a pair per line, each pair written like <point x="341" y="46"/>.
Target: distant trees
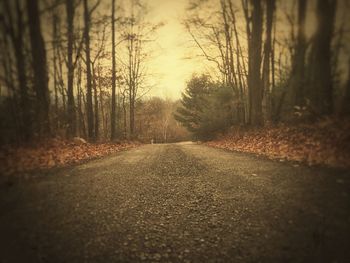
<point x="156" y="121"/>
<point x="136" y="33"/>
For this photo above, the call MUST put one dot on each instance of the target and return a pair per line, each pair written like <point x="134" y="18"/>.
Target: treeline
<point x="281" y="60"/>
<point x="72" y="68"/>
<point x="155" y="121"/>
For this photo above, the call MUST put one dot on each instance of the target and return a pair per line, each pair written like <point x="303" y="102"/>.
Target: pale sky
<point x="171" y="68"/>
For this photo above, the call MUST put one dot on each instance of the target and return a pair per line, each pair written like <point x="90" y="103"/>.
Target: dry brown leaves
<point x="53" y="153"/>
<point x="326" y="142"/>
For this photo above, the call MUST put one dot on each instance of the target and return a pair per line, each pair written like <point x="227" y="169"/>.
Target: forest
<point x="276" y="73"/>
<point x="76" y="75"/>
<point x="174" y="131"/>
<point x="81" y="69"/>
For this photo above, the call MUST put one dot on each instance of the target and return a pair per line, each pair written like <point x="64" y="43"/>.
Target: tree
<point x="136" y="33"/>
<point x="215" y="34"/>
<point x="206" y="107"/>
<point x="13" y="27"/>
<point x="70" y="68"/>
<point x="321" y="90"/>
<point x="193" y="101"/>
<point x="298" y="64"/>
<point x="99" y="53"/>
<point x="270" y="10"/>
<point x="89" y="105"/>
<point x="156" y="121"/>
<point x="254" y="63"/>
<point x="39" y="67"/>
<point x="113" y="101"/>
<point x="240" y="64"/>
<point x="345" y="107"/>
<point x="55" y="47"/>
<point x="134" y="48"/>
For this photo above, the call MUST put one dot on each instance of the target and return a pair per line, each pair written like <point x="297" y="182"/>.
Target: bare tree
<point x="270" y="10"/>
<point x="137" y="33"/>
<point x="14" y="28"/>
<point x="99" y="53"/>
<point x="70" y="68"/>
<point x="322" y="87"/>
<point x="298" y="64"/>
<point x="39" y="67"/>
<point x="254" y="77"/>
<point x="345" y="110"/>
<point x="89" y="107"/>
<point x="113" y="101"/>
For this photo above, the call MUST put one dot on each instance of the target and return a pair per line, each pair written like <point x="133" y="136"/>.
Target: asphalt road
<point x="178" y="203"/>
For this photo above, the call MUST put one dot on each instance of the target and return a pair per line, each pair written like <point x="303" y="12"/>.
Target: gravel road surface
<point x="181" y="202"/>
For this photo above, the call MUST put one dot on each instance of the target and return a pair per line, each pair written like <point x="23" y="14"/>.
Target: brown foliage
<point x="53" y="153"/>
<point x="326" y="142"/>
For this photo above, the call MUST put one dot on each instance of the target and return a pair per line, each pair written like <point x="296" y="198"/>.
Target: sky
<point x="169" y="65"/>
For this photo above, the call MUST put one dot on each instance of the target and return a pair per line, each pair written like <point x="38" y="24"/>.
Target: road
<point x="181" y="202"/>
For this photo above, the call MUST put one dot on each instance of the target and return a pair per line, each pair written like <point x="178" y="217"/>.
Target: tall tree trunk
<point x="96" y="117"/>
<point x="89" y="109"/>
<point x="54" y="53"/>
<point x="81" y="122"/>
<point x="124" y="116"/>
<point x="345" y="107"/>
<point x="273" y="75"/>
<point x="132" y="113"/>
<point x="113" y="108"/>
<point x="266" y="92"/>
<point x="131" y="84"/>
<point x="104" y="127"/>
<point x="41" y="78"/>
<point x="62" y="90"/>
<point x="70" y="69"/>
<point x="254" y="63"/>
<point x="298" y="64"/>
<point x="322" y="84"/>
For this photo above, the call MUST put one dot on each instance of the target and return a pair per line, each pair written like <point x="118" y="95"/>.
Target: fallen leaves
<point x="326" y="142"/>
<point x="54" y="153"/>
